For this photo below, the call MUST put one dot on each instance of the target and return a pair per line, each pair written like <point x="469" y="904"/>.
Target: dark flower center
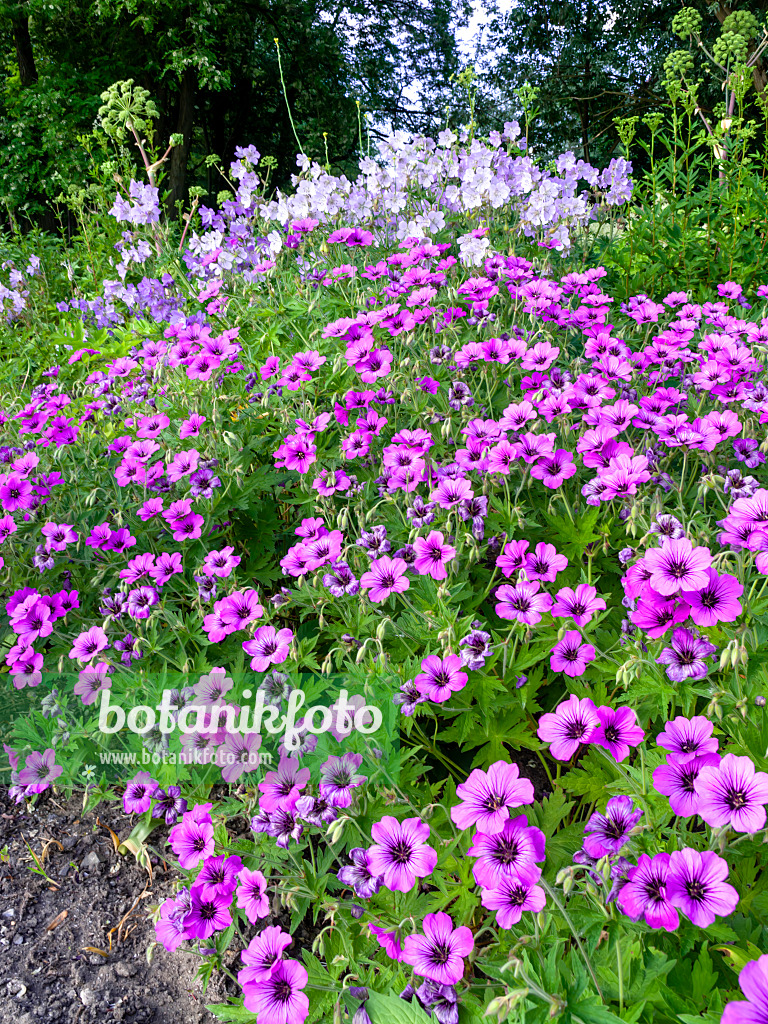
<point x="440" y="953"/>
<point x="507" y="852"/>
<point x="696" y="890"/>
<point x="401" y="852"/>
<point x="736" y="799"/>
<point x="576" y="730"/>
<point x="494" y="803"/>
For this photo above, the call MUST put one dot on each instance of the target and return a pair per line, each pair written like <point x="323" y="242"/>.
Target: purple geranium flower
<point x="685" y="659"/>
<point x="138" y="793"/>
<point x="208" y="913"/>
<point x="39" y="770"/>
<point x="437" y="954"/>
<point x="608" y="833"/>
<point x="645" y="893"/>
<point x="571" y="655"/>
<point x="617" y="732"/>
<point x="218" y="876"/>
<point x="401" y="854"/>
<point x="269" y="646"/>
<point x="358" y="874"/>
<point x="678" y="566"/>
<point x="440" y="677"/>
<point x="279" y="998"/>
<point x="513" y="852"/>
<point x="732" y="793"/>
<point x="753" y="982"/>
<point x="251" y="895"/>
<point x="511" y="897"/>
<point x="570" y="725"/>
<point x="686" y="738"/>
<point x="263" y="954"/>
<point x="338" y="778"/>
<point x="677" y="780"/>
<point x="696" y="885"/>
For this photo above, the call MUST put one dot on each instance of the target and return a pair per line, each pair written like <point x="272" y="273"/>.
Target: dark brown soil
<point x="48" y="973"/>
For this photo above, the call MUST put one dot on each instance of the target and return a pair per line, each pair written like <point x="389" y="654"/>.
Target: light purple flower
<point x="486" y="797"/>
<point x="677" y="780"/>
<point x="511" y="898"/>
<point x="696" y="885"/>
<point x="269" y="646"/>
<point x="732" y="793"/>
<point x="39" y="771"/>
<point x="686" y="738"/>
<point x="570" y="725"/>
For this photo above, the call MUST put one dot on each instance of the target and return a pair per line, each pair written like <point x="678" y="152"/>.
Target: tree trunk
<point x="180" y="154"/>
<point x="24" y="54"/>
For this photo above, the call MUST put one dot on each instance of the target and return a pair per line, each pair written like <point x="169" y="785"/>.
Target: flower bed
<point x="348" y="515"/>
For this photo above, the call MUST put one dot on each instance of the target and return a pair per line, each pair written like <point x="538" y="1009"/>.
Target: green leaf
<point x="392" y="1010"/>
<point x="232" y="1013"/>
<point x="592" y="1011"/>
<point x="737" y="958"/>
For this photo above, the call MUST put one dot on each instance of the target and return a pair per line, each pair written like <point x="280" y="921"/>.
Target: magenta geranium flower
<point x="571" y="655"/>
<point x="263" y="954"/>
<point x="678" y="565"/>
<point x="218" y="876"/>
<point x="645" y="893"/>
<point x="617" y="732"/>
<point x="191" y="840"/>
<point x="138" y="793"/>
<point x="432" y="555"/>
<point x="386" y="576"/>
<point x="277" y="787"/>
<point x="696" y="885"/>
<point x="686" y="738"/>
<point x="522" y="602"/>
<point x="732" y="793"/>
<point x="486" y="797"/>
<point x="512" y="852"/>
<point x="580" y="604"/>
<point x="269" y="646"/>
<point x="544" y="563"/>
<point x="717" y="601"/>
<point x="677" y="780"/>
<point x="570" y="725"/>
<point x="440" y="677"/>
<point x="389" y="941"/>
<point x="554" y="469"/>
<point x="91" y="681"/>
<point x="437" y="954"/>
<point x="252" y="895"/>
<point x="511" y="898"/>
<point x="89" y="644"/>
<point x="279" y="998"/>
<point x="400" y="853"/>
